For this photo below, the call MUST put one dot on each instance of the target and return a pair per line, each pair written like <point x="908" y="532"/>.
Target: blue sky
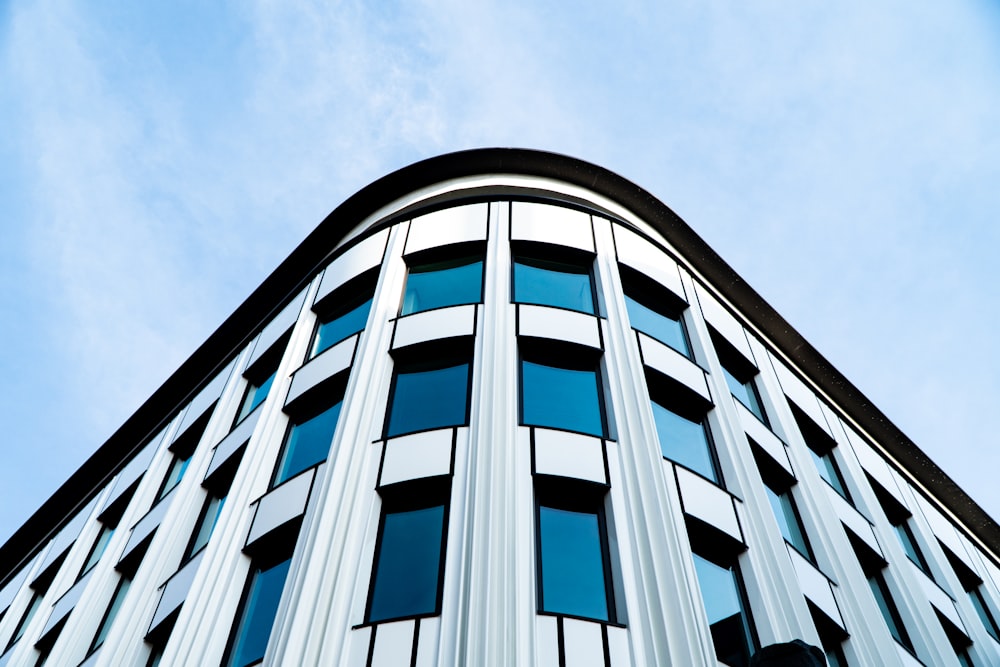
<point x="158" y="160"/>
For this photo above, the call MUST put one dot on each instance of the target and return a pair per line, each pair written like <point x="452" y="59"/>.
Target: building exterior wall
<point x="494" y="470"/>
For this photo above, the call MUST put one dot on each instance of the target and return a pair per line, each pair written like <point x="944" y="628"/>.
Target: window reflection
<point x="563" y="398"/>
<point x="439" y="284"/>
<point x="260" y="606"/>
<point x="428" y="397"/>
<point x="685" y="441"/>
<point x="722" y="592"/>
<point x="340" y="325"/>
<point x="549" y="283"/>
<point x="572" y="563"/>
<point x="308" y="443"/>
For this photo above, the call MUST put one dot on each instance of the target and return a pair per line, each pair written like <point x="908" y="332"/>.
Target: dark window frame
<point x="673" y="397"/>
<point x="456" y="253"/>
<point x="743" y="372"/>
<point x="731" y="562"/>
<point x="437" y="355"/>
<point x="658" y="299"/>
<point x="564" y="356"/>
<point x="343" y="300"/>
<point x="263" y="561"/>
<point x="263" y="370"/>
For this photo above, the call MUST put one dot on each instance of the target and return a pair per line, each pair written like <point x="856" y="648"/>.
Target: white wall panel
<point x="546" y="641"/>
<point x="393" y="644"/>
<point x="558" y="324"/>
<point x="322" y="367"/>
<point x="11" y="588"/>
<point x="360" y="642"/>
<point x="815" y="586"/>
<point x="458" y="224"/>
<point x="135" y="469"/>
<point x="800" y="395"/>
<point x="875" y="465"/>
<point x="204" y="400"/>
<point x="763" y="436"/>
<point x="853" y="519"/>
<point x="551" y="224"/>
<point x="619" y="651"/>
<point x="66" y="536"/>
<point x="175" y="590"/>
<point x="936" y="595"/>
<point x="704" y="500"/>
<point x="360" y="258"/>
<point x="427" y="642"/>
<point x="281" y="505"/>
<point x="673" y="364"/>
<point x="436" y="324"/>
<point x="569" y="455"/>
<point x="276" y="328"/>
<point x="583" y="643"/>
<point x="724" y="323"/>
<point x="64" y="605"/>
<point x="417" y="455"/>
<point x="641" y="255"/>
<point x="148" y="524"/>
<point x="234" y="440"/>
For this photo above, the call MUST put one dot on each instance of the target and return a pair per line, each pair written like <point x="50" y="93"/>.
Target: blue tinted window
<point x="572" y="563"/>
<point x="206" y="524"/>
<point x="96" y="551"/>
<point x="29" y="613"/>
<point x="340" y="326"/>
<point x="308" y="443"/>
<point x="828" y="470"/>
<point x="684" y="441"/>
<point x="746" y="393"/>
<point x="441" y="284"/>
<point x="109" y="616"/>
<point x="406" y="574"/>
<point x="174" y="475"/>
<point x="553" y="284"/>
<point x="888" y="608"/>
<point x="253" y="630"/>
<point x="979" y="603"/>
<point x="426" y="399"/>
<point x="909" y="542"/>
<point x="722" y="592"/>
<point x="561" y="398"/>
<point x="667" y="329"/>
<point x="255" y="396"/>
<point x="788" y="520"/>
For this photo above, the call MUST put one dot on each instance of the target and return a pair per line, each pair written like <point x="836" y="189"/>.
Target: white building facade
<point x="503" y="408"/>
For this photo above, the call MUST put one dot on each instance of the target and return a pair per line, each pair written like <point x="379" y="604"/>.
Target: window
<point x="830" y="472"/>
<point x="681" y="428"/>
<point x="210" y="512"/>
<point x="551" y="283"/>
<point x="341" y="323"/>
<point x="740" y="377"/>
<point x="886" y="605"/>
<point x="438" y="284"/>
<point x="899" y="517"/>
<point x="307" y="443"/>
<point x="110" y="613"/>
<point x="909" y="542"/>
<point x="257" y="612"/>
<point x="973" y="586"/>
<point x="255" y="395"/>
<point x="174" y="474"/>
<point x="725" y="605"/>
<point x="97" y="549"/>
<point x="789" y="521"/>
<point x="563" y="394"/>
<point x="821" y="447"/>
<point x="960" y="643"/>
<point x="573" y="556"/>
<point x="427" y="395"/>
<point x="654" y="311"/>
<point x="831" y="636"/>
<point x="409" y="553"/>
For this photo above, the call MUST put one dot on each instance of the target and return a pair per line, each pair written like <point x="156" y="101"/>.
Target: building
<point x="503" y="407"/>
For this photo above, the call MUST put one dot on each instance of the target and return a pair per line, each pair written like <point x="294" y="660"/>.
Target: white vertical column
<point x="666" y="619"/>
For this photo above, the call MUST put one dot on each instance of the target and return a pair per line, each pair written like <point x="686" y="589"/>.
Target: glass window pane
<point x="408" y="567"/>
<point x="746" y="393"/>
<point x="441" y="284"/>
<point x="308" y="443"/>
<point x="174" y="475"/>
<point x="255" y="396"/>
<point x="561" y="398"/>
<point x="720" y="589"/>
<point x="109" y="616"/>
<point x="909" y="542"/>
<point x="553" y="284"/>
<point x="340" y="327"/>
<point x="98" y="549"/>
<point x="829" y="471"/>
<point x="429" y="399"/>
<point x="29" y="613"/>
<point x="788" y="520"/>
<point x="663" y="328"/>
<point x="257" y="617"/>
<point x="206" y="524"/>
<point x="572" y="563"/>
<point x="684" y="442"/>
<point x="888" y="609"/>
<point x="979" y="603"/>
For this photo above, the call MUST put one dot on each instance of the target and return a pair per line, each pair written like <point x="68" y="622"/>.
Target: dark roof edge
<point x="300" y="266"/>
